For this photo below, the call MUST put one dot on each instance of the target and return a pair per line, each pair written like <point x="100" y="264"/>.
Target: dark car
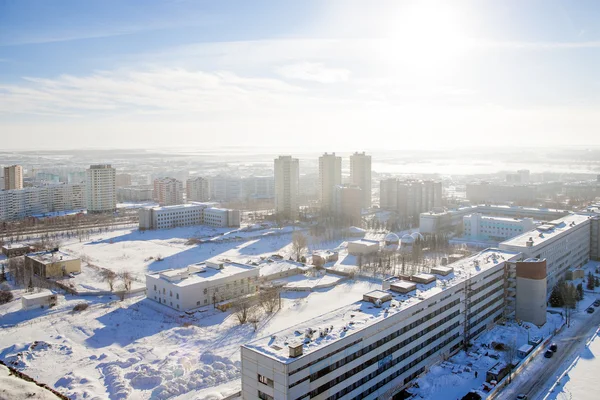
<point x="522" y="397"/>
<point x="554" y="347"/>
<point x="548" y="354"/>
<point x="590" y="310"/>
<point x="597" y="303"/>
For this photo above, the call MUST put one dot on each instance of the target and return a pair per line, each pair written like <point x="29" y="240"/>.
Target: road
<point x="570" y="342"/>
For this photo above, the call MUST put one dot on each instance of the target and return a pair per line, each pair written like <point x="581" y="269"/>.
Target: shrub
<point x="80" y="307"/>
<point x="5" y="296"/>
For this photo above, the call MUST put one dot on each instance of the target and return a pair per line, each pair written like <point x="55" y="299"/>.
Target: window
<point x="198" y="302"/>
<point x="264" y="396"/>
<point x="205" y="290"/>
<point x="171" y="293"/>
<point x="265" y="381"/>
<point x="154" y="287"/>
<point x="178" y="306"/>
<point x="177" y="296"/>
<point x="164" y="290"/>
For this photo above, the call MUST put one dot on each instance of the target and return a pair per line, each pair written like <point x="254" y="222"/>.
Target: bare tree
<point x="241" y="309"/>
<point x="109" y="277"/>
<point x="299" y="244"/>
<point x="270" y="300"/>
<point x="510" y="354"/>
<point x="127" y="279"/>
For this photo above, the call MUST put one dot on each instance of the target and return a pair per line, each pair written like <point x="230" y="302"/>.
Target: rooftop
<point x="41" y="294"/>
<point x="49" y="257"/>
<point x="357" y="316"/>
<point x="547" y="231"/>
<point x="200" y="272"/>
<point x="365" y="242"/>
<point x="178" y="207"/>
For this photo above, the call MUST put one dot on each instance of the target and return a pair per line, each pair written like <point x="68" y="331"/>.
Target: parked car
<point x="597" y="303"/>
<point x="590" y="310"/>
<point x="548" y="354"/>
<point x="554" y="347"/>
<point x="522" y="397"/>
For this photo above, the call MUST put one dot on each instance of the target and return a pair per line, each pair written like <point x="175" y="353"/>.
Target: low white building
<point x="201" y="284"/>
<point x="479" y="226"/>
<point x="272" y="269"/>
<point x="187" y="215"/>
<point x="42" y="299"/>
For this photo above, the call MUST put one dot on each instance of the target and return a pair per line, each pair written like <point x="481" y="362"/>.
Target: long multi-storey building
<point x="167" y="217"/>
<point x="258" y="187"/>
<point x="197" y="189"/>
<point x="360" y="175"/>
<point x="347" y="203"/>
<point x="168" y="191"/>
<point x="135" y="193"/>
<point x="287" y="177"/>
<point x="330" y="176"/>
<point x="101" y="191"/>
<point x="369" y="351"/>
<point x="34" y="201"/>
<point x="564" y="244"/>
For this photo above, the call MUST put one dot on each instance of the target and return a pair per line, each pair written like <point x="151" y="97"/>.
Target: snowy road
<point x="539" y="376"/>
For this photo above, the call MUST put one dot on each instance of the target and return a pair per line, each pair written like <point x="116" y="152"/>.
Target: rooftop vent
<point x="295" y="350"/>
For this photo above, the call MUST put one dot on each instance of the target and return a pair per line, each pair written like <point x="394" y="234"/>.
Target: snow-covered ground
<point x="308" y="282"/>
<point x="14" y="388"/>
<point x="137" y="349"/>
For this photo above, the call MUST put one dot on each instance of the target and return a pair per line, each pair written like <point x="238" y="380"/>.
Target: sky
<point x="334" y="75"/>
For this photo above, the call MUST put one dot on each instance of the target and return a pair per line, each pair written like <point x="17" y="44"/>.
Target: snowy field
<point x="137" y="349"/>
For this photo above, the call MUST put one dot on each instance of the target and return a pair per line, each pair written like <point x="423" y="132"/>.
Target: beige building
<point x="52" y="264"/>
<point x="330" y="176"/>
<point x="101" y="188"/>
<point x="122" y="180"/>
<point x="363" y="247"/>
<point x="287" y="178"/>
<point x="13" y="177"/>
<point x="168" y="191"/>
<point x="360" y="175"/>
<point x="197" y="189"/>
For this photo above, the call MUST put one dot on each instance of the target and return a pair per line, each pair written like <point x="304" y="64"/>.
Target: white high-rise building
<point x="225" y="188"/>
<point x="13" y="177"/>
<point x="287" y="177"/>
<point x="330" y="176"/>
<point x="197" y="189"/>
<point x="20" y="203"/>
<point x="101" y="188"/>
<point x="360" y="175"/>
<point x="168" y="191"/>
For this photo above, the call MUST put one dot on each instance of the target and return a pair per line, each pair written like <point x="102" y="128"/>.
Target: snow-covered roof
<point x="392" y="238"/>
<point x="363" y="315"/>
<point x="547" y="231"/>
<point x="200" y="272"/>
<point x="270" y="268"/>
<point x="39" y="295"/>
<point x="50" y="257"/>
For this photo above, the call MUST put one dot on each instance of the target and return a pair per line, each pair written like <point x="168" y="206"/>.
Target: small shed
<point x="42" y="299"/>
<point x="441" y="270"/>
<point x="363" y="247"/>
<point x="377" y="297"/>
<point x="578" y="273"/>
<point x="423" y="278"/>
<point x="524" y="350"/>
<point x="403" y="287"/>
<point x="497" y="372"/>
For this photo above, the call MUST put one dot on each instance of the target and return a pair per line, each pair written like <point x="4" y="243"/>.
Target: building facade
<point x="367" y="352"/>
<point x="360" y="175"/>
<point x="531" y="291"/>
<point x="13" y="177"/>
<point x="409" y="198"/>
<point x="122" y="180"/>
<point x="168" y="217"/>
<point x="36" y="201"/>
<point x="287" y="176"/>
<point x="135" y="193"/>
<point x="101" y="190"/>
<point x="347" y="203"/>
<point x="197" y="189"/>
<point x="478" y="226"/>
<point x="201" y="284"/>
<point x="52" y="264"/>
<point x="168" y="191"/>
<point x="330" y="176"/>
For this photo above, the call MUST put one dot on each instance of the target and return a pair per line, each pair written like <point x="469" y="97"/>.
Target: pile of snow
<point x="15" y="388"/>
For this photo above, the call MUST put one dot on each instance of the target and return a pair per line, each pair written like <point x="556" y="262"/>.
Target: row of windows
<point x="399" y="372"/>
<point x="321" y="359"/>
<point x="382" y="355"/>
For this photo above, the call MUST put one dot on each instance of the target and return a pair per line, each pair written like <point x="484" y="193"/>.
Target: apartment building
<point x="34" y="201"/>
<point x="122" y="180"/>
<point x="564" y="244"/>
<point x="360" y="175"/>
<point x="409" y="198"/>
<point x="168" y="217"/>
<point x="101" y="191"/>
<point x="225" y="188"/>
<point x="287" y="176"/>
<point x="258" y="187"/>
<point x="135" y="193"/>
<point x="486" y="192"/>
<point x="479" y="226"/>
<point x="13" y="177"/>
<point x="168" y="191"/>
<point x="197" y="189"/>
<point x="374" y="348"/>
<point x="347" y="203"/>
<point x="330" y="176"/>
<point x="201" y="284"/>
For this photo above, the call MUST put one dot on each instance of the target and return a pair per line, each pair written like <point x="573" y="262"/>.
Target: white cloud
<point x="316" y="72"/>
